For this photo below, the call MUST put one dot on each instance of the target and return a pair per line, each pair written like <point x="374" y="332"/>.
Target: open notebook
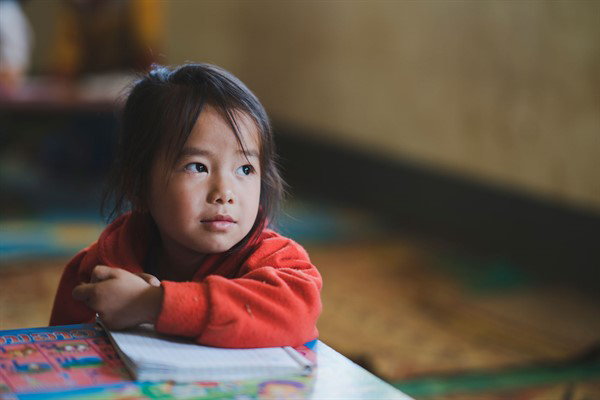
<point x="151" y="356"/>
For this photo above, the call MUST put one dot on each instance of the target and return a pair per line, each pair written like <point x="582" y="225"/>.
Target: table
<point x="337" y="377"/>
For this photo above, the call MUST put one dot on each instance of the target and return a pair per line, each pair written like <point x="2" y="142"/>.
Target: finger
<point x="149" y="278"/>
<point x="102" y="272"/>
<point x="83" y="292"/>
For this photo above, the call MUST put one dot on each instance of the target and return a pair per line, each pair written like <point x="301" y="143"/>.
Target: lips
<point x="218" y="223"/>
<point x="219" y="218"/>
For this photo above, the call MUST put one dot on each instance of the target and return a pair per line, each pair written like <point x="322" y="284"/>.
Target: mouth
<point x="218" y="223"/>
<point x="219" y="218"/>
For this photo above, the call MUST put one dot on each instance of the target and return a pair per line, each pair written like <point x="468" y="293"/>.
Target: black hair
<point x="160" y="112"/>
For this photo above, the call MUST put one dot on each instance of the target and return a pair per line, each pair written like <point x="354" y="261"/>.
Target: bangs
<point x="177" y="128"/>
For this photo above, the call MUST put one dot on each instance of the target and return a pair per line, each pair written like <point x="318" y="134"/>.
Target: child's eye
<point x="196" y="167"/>
<point x="245" y="169"/>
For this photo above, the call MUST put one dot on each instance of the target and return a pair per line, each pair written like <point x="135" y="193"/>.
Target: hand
<point x="120" y="298"/>
<point x="150" y="279"/>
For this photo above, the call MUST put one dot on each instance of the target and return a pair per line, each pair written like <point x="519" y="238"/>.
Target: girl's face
<point x="210" y="200"/>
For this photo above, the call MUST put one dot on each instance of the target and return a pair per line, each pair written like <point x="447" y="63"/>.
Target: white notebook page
<point x="146" y="347"/>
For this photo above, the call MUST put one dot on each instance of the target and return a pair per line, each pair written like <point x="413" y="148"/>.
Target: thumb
<point x="102" y="273"/>
<point x="83" y="291"/>
<point x="149" y="278"/>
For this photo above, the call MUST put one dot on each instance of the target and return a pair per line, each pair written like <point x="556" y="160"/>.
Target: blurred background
<point x="443" y="159"/>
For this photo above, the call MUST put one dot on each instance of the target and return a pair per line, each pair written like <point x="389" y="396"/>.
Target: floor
<point x="435" y="320"/>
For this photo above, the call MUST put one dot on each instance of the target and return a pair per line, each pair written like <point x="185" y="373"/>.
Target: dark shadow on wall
<point x="552" y="241"/>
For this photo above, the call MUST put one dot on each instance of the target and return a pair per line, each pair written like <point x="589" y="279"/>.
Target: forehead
<point x="213" y="129"/>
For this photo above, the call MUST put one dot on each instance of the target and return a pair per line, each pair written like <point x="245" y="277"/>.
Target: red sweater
<point x="272" y="298"/>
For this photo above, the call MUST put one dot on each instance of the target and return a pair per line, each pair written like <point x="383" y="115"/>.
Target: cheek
<point x="157" y="203"/>
<point x="256" y="195"/>
<point x="251" y="202"/>
<point x="183" y="199"/>
<point x="168" y="201"/>
<point x="256" y="205"/>
<point x="156" y="190"/>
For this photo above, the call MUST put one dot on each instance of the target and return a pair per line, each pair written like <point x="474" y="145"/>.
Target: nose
<point x="220" y="192"/>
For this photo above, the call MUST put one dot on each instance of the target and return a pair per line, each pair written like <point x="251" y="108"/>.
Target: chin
<point x="217" y="248"/>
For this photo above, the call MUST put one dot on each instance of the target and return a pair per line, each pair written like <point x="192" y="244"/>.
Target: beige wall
<point x="502" y="91"/>
<point x="506" y="92"/>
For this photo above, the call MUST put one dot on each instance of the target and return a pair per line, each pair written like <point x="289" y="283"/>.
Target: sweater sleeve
<point x="66" y="310"/>
<point x="275" y="301"/>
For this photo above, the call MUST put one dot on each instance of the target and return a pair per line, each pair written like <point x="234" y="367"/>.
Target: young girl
<point x="196" y="167"/>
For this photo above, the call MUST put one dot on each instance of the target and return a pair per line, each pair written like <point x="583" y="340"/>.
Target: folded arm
<point x="274" y="302"/>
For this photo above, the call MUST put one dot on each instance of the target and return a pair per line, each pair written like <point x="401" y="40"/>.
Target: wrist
<point x="153" y="296"/>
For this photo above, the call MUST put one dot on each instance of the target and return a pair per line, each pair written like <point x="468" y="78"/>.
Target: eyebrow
<point x="194" y="151"/>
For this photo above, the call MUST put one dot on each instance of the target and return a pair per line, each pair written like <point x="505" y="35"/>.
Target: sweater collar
<point x="124" y="243"/>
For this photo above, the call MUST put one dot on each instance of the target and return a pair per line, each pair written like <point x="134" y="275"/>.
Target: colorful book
<point x="79" y="362"/>
<point x="56" y="358"/>
<point x="151" y="356"/>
